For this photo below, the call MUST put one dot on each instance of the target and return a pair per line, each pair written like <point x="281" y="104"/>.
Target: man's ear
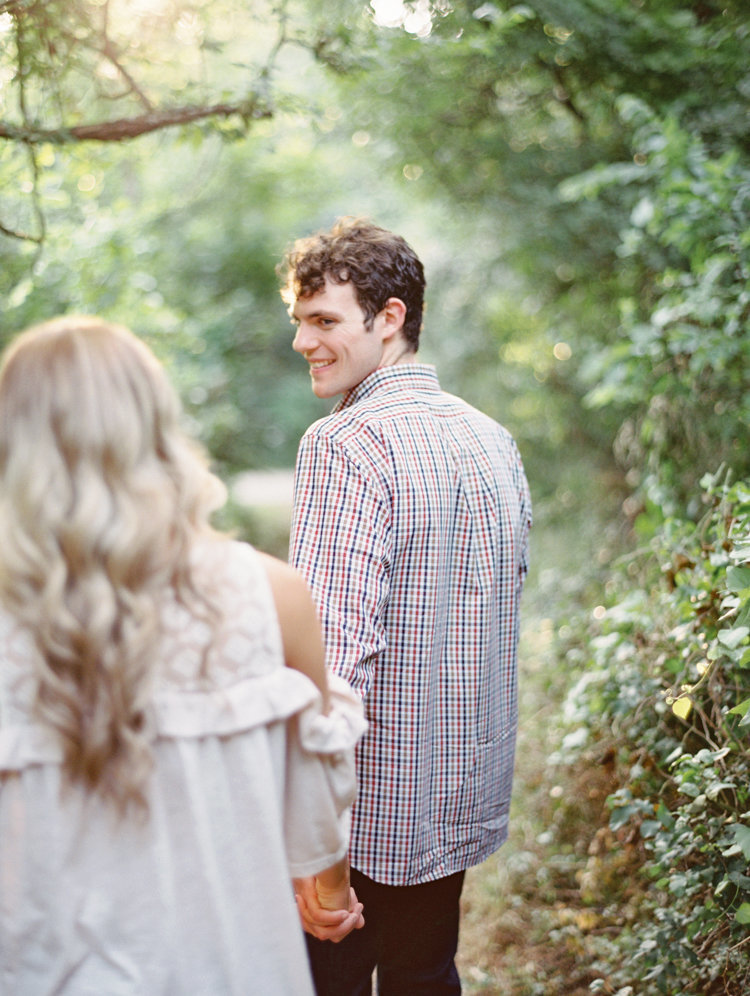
<point x="393" y="315"/>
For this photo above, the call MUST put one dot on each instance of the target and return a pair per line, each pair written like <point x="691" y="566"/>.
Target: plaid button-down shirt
<point x="411" y="521"/>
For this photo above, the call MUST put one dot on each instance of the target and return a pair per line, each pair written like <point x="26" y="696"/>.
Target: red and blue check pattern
<point x="411" y="522"/>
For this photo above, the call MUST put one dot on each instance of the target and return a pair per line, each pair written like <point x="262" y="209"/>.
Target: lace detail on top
<point x="215" y="675"/>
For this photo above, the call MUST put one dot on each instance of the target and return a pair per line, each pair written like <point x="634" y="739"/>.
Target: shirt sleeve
<point x="341" y="542"/>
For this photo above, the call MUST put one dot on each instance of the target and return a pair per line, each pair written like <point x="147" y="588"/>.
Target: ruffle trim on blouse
<point x="333" y="736"/>
<point x="222" y="712"/>
<point x="340" y="728"/>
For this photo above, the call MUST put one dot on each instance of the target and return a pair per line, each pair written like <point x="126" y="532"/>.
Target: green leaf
<point x="732" y="638"/>
<point x="742" y="836"/>
<point x="743" y="913"/>
<point x="665" y="816"/>
<point x="738" y="579"/>
<point x="713" y="790"/>
<point x="650" y="828"/>
<point x="741" y="708"/>
<point x="621" y="815"/>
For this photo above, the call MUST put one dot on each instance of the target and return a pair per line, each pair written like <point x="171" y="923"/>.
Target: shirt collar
<point x="400" y="376"/>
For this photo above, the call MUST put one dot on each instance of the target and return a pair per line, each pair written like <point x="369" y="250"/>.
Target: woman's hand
<point x="327" y="923"/>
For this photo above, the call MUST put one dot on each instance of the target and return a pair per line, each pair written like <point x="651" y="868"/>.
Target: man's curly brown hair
<point x="378" y="264"/>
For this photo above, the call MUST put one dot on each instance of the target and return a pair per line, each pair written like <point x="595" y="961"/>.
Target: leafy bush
<point x="666" y="691"/>
<point x="681" y="358"/>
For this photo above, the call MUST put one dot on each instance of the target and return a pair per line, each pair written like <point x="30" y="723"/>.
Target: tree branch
<point x="109" y="52"/>
<point x="14" y="6"/>
<point x="22" y="236"/>
<point x="30" y="150"/>
<point x="125" y="128"/>
<point x="561" y="91"/>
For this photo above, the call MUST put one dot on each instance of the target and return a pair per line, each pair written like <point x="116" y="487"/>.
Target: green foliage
<point x="265" y="527"/>
<point x="181" y="244"/>
<point x="666" y="687"/>
<point x="606" y="146"/>
<point x="595" y="156"/>
<point x="681" y="361"/>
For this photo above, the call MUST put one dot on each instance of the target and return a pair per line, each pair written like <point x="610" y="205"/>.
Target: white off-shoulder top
<point x="251" y="786"/>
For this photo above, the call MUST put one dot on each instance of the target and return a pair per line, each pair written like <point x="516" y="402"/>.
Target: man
<point x="411" y="519"/>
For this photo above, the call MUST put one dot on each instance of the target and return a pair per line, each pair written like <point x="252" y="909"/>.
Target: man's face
<point x="332" y="337"/>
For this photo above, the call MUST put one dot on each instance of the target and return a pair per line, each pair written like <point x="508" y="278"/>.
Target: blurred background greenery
<point x="575" y="180"/>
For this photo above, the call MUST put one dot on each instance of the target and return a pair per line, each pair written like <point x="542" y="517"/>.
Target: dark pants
<point x="410" y="935"/>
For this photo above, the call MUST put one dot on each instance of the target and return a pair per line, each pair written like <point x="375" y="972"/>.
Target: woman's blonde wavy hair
<point x="101" y="498"/>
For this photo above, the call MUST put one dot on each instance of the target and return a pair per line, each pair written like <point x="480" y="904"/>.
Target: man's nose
<point x="303" y="338"/>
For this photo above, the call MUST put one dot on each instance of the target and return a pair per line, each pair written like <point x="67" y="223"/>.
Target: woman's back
<point x="195" y="897"/>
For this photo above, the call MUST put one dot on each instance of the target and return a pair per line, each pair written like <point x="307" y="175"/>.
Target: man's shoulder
<point x="352" y="420"/>
<point x="355" y="435"/>
<point x="460" y="406"/>
<point x="381" y="413"/>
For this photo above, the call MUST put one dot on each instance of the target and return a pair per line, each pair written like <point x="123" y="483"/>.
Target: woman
<point x="162" y="773"/>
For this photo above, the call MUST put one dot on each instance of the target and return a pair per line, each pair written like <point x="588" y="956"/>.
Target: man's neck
<point x="397" y="351"/>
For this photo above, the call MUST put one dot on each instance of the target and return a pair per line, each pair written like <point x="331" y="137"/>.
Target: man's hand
<point x="326" y="925"/>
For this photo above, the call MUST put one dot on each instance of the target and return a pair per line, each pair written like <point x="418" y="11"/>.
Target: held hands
<point x="335" y="896"/>
<point x="328" y="913"/>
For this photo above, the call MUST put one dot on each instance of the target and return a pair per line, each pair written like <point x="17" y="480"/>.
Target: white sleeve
<point x="320" y="780"/>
